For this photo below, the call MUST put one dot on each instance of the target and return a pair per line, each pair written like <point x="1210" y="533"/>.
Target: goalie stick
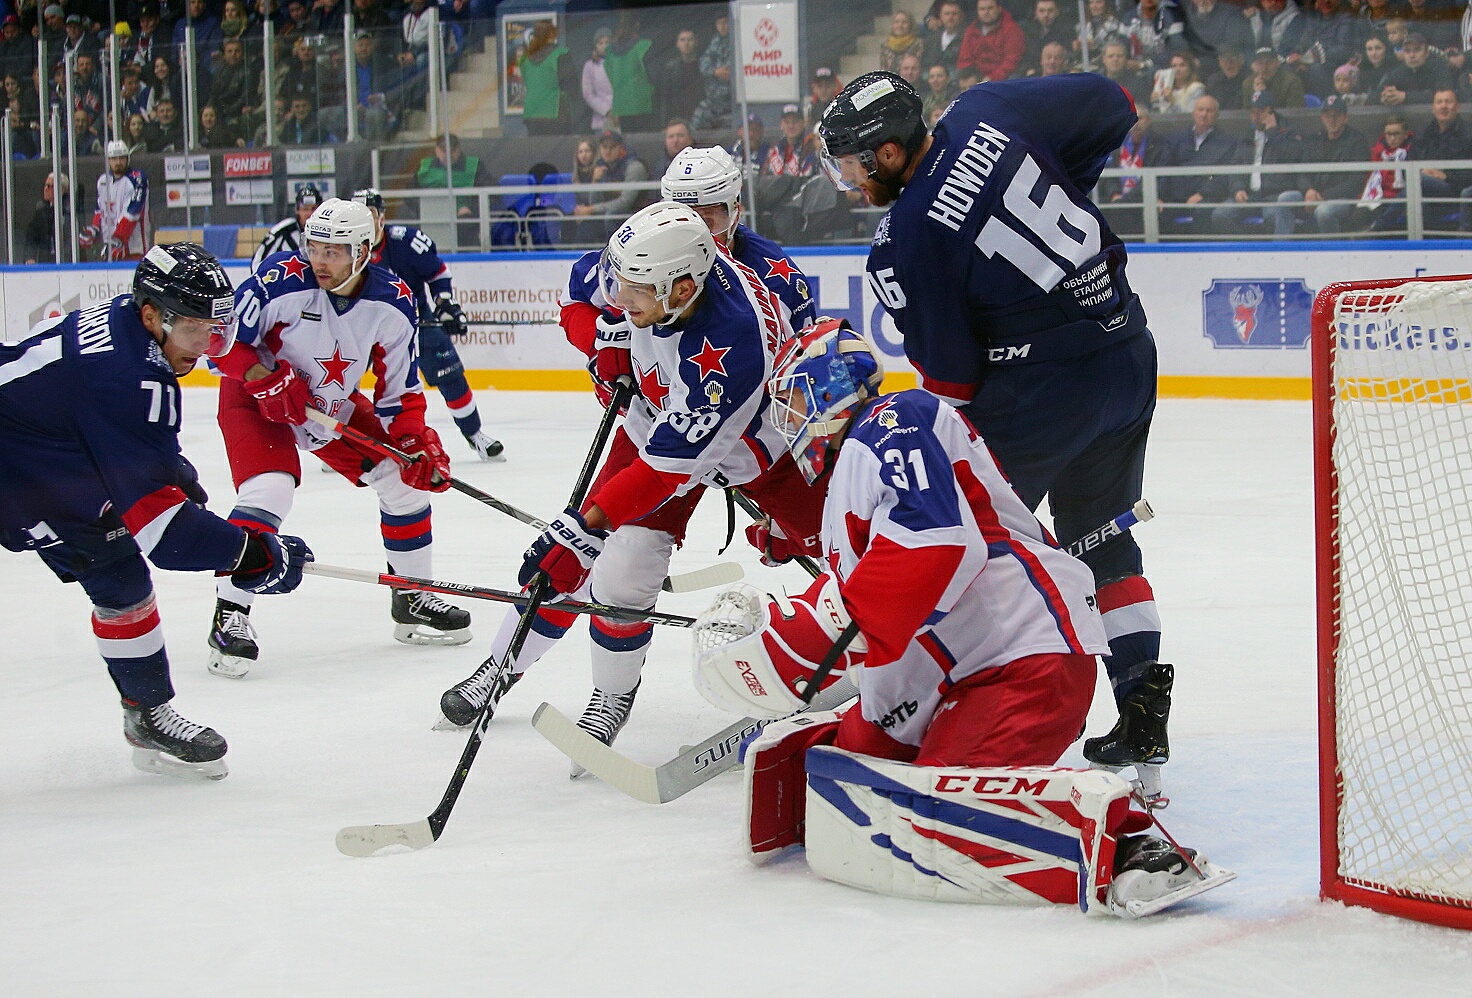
<point x="367" y="840"/>
<point x="721" y="574"/>
<point x="494" y="595"/>
<point x="700" y="763"/>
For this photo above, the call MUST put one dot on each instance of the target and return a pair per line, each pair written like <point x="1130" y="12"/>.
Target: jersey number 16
<point x="1066" y="229"/>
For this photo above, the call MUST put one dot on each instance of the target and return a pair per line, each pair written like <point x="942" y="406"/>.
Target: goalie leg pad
<point x="775" y="781"/>
<point x="1008" y="835"/>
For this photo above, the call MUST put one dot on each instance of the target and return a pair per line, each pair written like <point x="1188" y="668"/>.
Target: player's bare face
<point x="332" y="263"/>
<point x="118" y="165"/>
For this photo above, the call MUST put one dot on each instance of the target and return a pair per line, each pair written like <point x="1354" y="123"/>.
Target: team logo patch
<point x="292" y="266"/>
<point x="334" y="368"/>
<point x="710" y="360"/>
<point x="1257" y="315"/>
<point x="653" y="386"/>
<point x="713" y="392"/>
<point x="782" y="268"/>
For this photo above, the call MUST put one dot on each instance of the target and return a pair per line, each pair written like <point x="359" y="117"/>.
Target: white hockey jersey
<point x="122" y="210"/>
<point x="331" y="340"/>
<point x="944" y="569"/>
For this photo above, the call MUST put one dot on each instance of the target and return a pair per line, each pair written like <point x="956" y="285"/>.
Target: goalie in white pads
<point x="974" y="658"/>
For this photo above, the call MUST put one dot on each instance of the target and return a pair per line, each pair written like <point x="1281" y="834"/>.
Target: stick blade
<point x="722" y="574"/>
<point x="635" y="779"/>
<point x="370" y="840"/>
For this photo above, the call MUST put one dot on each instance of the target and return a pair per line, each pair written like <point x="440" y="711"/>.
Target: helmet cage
<point x="820" y="380"/>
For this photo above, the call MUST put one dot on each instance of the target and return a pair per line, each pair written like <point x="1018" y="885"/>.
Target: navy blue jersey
<point x="412" y="256"/>
<point x="778" y="272"/>
<point x="89" y="422"/>
<point x="993" y="253"/>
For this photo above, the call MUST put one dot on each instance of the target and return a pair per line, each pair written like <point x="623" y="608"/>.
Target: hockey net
<point x="1392" y="368"/>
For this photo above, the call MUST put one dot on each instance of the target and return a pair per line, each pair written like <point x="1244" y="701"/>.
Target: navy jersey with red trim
<point x="779" y="273"/>
<point x="995" y="232"/>
<point x="89" y="418"/>
<point x="413" y="256"/>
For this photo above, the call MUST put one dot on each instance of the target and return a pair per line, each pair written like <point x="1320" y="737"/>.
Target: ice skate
<point x="165" y="743"/>
<point x="486" y="448"/>
<point x="603" y="718"/>
<point x="1152" y="875"/>
<point x="1139" y="737"/>
<point x="460" y="704"/>
<point x="232" y="641"/>
<point x="425" y="619"/>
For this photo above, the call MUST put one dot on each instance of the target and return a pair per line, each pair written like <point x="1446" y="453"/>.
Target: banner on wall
<point x="1215" y="315"/>
<point x="178" y="168"/>
<point x="767" y="51"/>
<point x="311" y="162"/>
<point x="517" y="33"/>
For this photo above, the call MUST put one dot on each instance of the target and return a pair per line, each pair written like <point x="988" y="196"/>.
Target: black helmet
<point x="369" y="198"/>
<point x="308" y="194"/>
<point x="876" y="108"/>
<point x="185" y="279"/>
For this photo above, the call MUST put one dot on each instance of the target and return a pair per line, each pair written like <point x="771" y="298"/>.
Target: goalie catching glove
<point x="565" y="552"/>
<point x="755" y="654"/>
<point x="450" y="315"/>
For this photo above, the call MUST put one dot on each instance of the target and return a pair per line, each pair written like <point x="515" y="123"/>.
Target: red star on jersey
<point x="880" y="407"/>
<point x="779" y="268"/>
<point x="653" y="386"/>
<point x="334" y="368"/>
<point x="710" y="360"/>
<point x="402" y="290"/>
<point x="293" y="266"/>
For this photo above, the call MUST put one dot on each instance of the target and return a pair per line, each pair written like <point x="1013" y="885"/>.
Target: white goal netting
<point x="1402" y="673"/>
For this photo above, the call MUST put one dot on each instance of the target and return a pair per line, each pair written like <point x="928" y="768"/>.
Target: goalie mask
<point x="709" y="179"/>
<point x="819" y="380"/>
<point x="646" y="255"/>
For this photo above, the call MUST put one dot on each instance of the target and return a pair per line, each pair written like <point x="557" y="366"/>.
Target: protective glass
<point x="621" y="293"/>
<point x="331" y="254"/>
<point x="209" y="337"/>
<point x="846" y="173"/>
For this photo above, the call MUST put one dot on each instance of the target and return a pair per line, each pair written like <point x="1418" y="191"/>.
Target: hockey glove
<point x="115" y="250"/>
<point x="565" y="552"/>
<point x="612" y="358"/>
<point x="88" y="236"/>
<point x="430" y="471"/>
<point x="776" y="547"/>
<point x="186" y="476"/>
<point x="451" y="316"/>
<point x="282" y="396"/>
<point x="271" y="563"/>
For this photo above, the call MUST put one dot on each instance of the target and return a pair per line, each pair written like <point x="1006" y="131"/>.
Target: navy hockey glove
<point x="271" y="563"/>
<point x="566" y="552"/>
<point x="451" y="316"/>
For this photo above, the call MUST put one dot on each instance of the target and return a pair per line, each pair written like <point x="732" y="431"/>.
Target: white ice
<point x="116" y="882"/>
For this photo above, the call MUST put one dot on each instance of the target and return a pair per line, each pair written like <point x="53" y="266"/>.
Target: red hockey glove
<point x="776" y="547"/>
<point x="87" y="236"/>
<point x="282" y="396"/>
<point x="116" y="250"/>
<point x="431" y="472"/>
<point x="566" y="552"/>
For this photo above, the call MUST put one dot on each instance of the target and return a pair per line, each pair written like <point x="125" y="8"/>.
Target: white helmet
<point x="346" y="223"/>
<point x="705" y="176"/>
<point x="116" y="148"/>
<point x="657" y="246"/>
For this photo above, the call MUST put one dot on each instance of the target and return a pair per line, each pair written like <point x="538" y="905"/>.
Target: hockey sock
<point x="618" y="653"/>
<point x="461" y="405"/>
<point x="1133" y="627"/>
<point x="132" y="645"/>
<point x="261" y="503"/>
<point x="407" y="541"/>
<point x="547" y="628"/>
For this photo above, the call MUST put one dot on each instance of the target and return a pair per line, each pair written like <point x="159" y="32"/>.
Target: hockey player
<point x="972" y="645"/>
<point x="310" y="326"/>
<point x="411" y="254"/>
<point x="119" y="226"/>
<point x="94" y="481"/>
<point x="698" y="342"/>
<point x="1010" y="291"/>
<point x="286" y="235"/>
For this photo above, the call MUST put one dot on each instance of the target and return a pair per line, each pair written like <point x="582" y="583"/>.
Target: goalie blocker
<point x="1003" y="835"/>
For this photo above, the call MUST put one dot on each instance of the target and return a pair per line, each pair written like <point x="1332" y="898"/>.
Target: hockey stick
<point x="432" y="323"/>
<point x="1140" y="512"/>
<point x="494" y="595"/>
<point x="694" y="766"/>
<point x="704" y="578"/>
<point x="365" y="840"/>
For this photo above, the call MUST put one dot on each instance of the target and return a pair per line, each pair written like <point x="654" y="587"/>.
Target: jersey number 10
<point x="1066" y="229"/>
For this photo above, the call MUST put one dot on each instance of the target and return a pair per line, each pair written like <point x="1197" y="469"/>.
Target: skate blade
<point x="445" y="724"/>
<point x="229" y="666"/>
<point x="159" y="764"/>
<point x="492" y="458"/>
<point x="576" y="772"/>
<point x="420" y="634"/>
<point x="1212" y="876"/>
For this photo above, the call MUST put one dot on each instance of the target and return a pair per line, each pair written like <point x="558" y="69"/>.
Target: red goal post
<point x="1392" y="416"/>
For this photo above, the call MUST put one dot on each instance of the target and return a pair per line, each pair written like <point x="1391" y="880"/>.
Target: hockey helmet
<point x="819" y="380"/>
<point x="184" y="280"/>
<point x="657" y="246"/>
<point x="369" y="198"/>
<point x="308" y="194"/>
<point x="700" y="177"/>
<point x="876" y="108"/>
<point x="345" y="223"/>
<point x="117" y="148"/>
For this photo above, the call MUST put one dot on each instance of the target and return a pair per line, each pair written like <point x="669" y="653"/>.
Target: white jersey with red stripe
<point x="330" y="340"/>
<point x="943" y="568"/>
<point x="123" y="201"/>
<point x="701" y="409"/>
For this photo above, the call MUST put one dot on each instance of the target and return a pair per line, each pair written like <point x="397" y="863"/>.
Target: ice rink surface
<point x="121" y="883"/>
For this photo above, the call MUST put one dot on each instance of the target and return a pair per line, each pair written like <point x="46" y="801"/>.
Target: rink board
<point x="1231" y="320"/>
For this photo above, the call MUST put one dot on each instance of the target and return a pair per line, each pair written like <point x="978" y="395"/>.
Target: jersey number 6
<point x="1066" y="229"/>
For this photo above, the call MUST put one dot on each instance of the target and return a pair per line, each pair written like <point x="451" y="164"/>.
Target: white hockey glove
<point x="755" y="654"/>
